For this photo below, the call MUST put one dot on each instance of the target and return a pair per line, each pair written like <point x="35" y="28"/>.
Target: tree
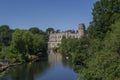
<point x="104" y="64"/>
<point x="48" y="30"/>
<point x="112" y="41"/>
<point x="105" y="13"/>
<point x="28" y="45"/>
<point x="22" y="41"/>
<point x="35" y="30"/>
<point x="39" y="44"/>
<point x="102" y="56"/>
<point x="5" y="36"/>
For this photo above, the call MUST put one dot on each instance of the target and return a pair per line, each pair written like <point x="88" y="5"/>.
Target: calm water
<point x="53" y="69"/>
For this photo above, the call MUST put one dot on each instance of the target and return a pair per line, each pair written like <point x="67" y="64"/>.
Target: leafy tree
<point x="35" y="30"/>
<point x="27" y="44"/>
<point x="81" y="52"/>
<point x="39" y="44"/>
<point x="48" y="30"/>
<point x="5" y="35"/>
<point x="68" y="45"/>
<point x="97" y="56"/>
<point x="112" y="41"/>
<point x="103" y="61"/>
<point x="22" y="42"/>
<point x="104" y="64"/>
<point x="22" y="45"/>
<point x="105" y="13"/>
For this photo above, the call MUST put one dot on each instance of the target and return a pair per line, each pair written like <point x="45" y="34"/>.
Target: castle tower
<point x="81" y="30"/>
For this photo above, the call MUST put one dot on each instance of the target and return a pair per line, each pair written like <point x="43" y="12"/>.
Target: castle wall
<point x="55" y="38"/>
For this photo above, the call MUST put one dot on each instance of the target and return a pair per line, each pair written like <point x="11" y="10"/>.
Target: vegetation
<point x="5" y="36"/>
<point x="49" y="30"/>
<point x="97" y="55"/>
<point x="22" y="45"/>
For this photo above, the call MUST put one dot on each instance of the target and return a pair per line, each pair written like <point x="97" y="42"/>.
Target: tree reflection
<point x="27" y="71"/>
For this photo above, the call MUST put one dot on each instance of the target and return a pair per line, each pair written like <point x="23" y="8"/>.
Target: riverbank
<point x="4" y="68"/>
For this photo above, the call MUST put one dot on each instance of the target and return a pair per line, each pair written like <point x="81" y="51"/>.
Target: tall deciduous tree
<point x="35" y="30"/>
<point x="22" y="41"/>
<point x="5" y="36"/>
<point x="39" y="44"/>
<point x="25" y="42"/>
<point x="105" y="13"/>
<point x="50" y="30"/>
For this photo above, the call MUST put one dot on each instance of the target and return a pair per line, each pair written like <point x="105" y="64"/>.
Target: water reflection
<point x="25" y="71"/>
<point x="58" y="72"/>
<point x="54" y="58"/>
<point x="53" y="69"/>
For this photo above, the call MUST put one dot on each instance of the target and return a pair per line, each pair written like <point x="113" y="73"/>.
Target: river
<point x="52" y="69"/>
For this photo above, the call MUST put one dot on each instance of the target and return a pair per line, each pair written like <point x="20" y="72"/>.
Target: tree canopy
<point x="96" y="56"/>
<point x="22" y="45"/>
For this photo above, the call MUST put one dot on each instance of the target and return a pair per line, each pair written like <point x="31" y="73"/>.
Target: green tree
<point x="35" y="30"/>
<point x="21" y="41"/>
<point x="97" y="56"/>
<point x="81" y="52"/>
<point x="105" y="13"/>
<point x="68" y="45"/>
<point x="28" y="45"/>
<point x="48" y="30"/>
<point x="104" y="64"/>
<point x="39" y="44"/>
<point x="5" y="35"/>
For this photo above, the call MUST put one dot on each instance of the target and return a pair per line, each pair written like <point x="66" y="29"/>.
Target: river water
<point x="53" y="69"/>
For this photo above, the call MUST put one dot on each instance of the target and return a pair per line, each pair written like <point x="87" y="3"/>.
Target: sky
<point x="58" y="14"/>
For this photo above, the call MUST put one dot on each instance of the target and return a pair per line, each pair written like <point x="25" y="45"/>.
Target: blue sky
<point x="59" y="14"/>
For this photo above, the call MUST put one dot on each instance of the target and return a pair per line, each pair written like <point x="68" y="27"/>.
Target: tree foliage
<point x="105" y="63"/>
<point x="35" y="30"/>
<point x="22" y="45"/>
<point x="97" y="56"/>
<point x="5" y="35"/>
<point x="105" y="13"/>
<point x="50" y="30"/>
<point x="22" y="41"/>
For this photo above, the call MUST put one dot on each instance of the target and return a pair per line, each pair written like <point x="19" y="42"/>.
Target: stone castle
<point x="55" y="38"/>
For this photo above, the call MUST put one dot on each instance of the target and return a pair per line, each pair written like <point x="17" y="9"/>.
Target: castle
<point x="55" y="38"/>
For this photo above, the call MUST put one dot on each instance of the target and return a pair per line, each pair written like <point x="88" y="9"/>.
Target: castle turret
<point x="81" y="30"/>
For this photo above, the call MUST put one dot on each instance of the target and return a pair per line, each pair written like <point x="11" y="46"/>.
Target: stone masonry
<point x="55" y="38"/>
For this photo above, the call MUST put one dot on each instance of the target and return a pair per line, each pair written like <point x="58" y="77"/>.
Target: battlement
<point x="55" y="38"/>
